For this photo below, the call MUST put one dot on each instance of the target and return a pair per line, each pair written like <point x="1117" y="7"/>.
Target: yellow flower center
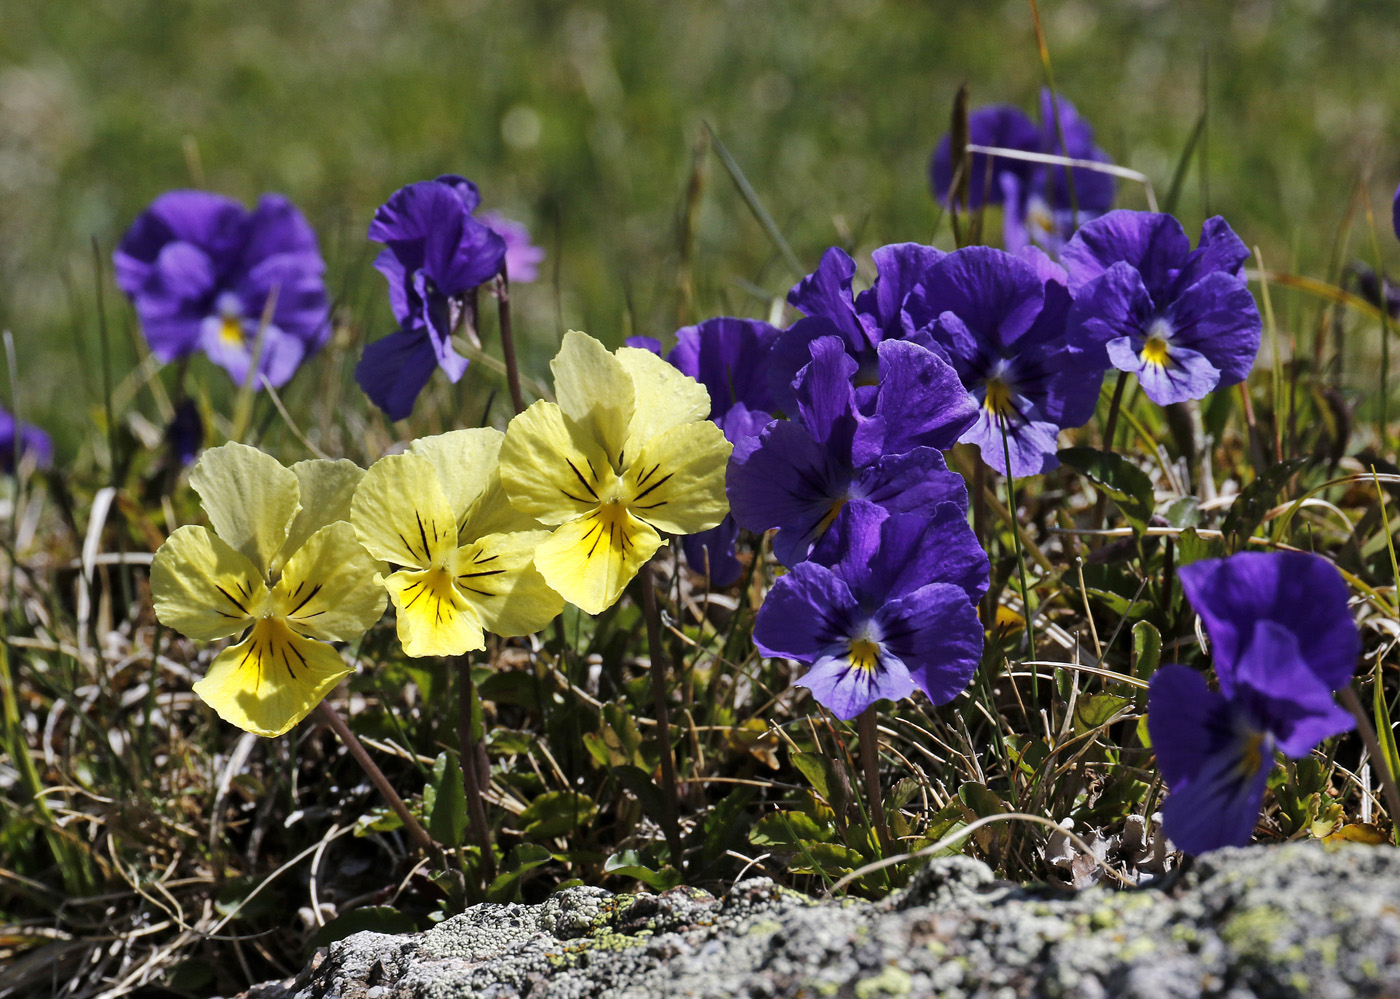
<point x="831" y="515"/>
<point x="272" y="649"/>
<point x="864" y="655"/>
<point x="1154" y="351"/>
<point x="231" y="331"/>
<point x="998" y="398"/>
<point x="1251" y="755"/>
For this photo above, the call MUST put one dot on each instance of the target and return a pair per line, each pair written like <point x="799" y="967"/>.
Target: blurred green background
<point x="581" y="120"/>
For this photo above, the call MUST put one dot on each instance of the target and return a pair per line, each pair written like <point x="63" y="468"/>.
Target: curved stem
<point x="670" y="821"/>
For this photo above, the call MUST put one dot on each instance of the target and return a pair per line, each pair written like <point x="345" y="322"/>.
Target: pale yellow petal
<point x="550" y="470"/>
<point x="497" y="575"/>
<point x="271" y="680"/>
<point x="677" y="482"/>
<point x="465" y="461"/>
<point x="401" y="515"/>
<point x="493" y="513"/>
<point x="591" y="560"/>
<point x="203" y="588"/>
<point x="326" y="488"/>
<point x="666" y="396"/>
<point x="434" y="619"/>
<point x="594" y="391"/>
<point x="250" y="498"/>
<point x="330" y="588"/>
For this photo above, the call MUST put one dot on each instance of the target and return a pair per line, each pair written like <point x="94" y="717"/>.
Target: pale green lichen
<point x="890" y="983"/>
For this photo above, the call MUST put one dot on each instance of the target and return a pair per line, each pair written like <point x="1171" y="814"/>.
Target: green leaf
<point x="628" y="864"/>
<point x="510" y="742"/>
<point x="1191" y="547"/>
<point x="376" y="918"/>
<point x="1183" y="512"/>
<point x="1147" y="656"/>
<point x="445" y="802"/>
<point x="1123" y="482"/>
<point x="525" y="857"/>
<point x="1257" y="499"/>
<point x="1386" y="735"/>
<point x="1093" y="710"/>
<point x="639" y="782"/>
<point x="787" y="829"/>
<point x="555" y="813"/>
<point x="816" y="767"/>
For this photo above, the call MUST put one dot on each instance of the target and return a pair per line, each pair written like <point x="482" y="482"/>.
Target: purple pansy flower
<point x="730" y="358"/>
<point x="1395" y="213"/>
<point x="1282" y="641"/>
<point x="1037" y="205"/>
<point x="896" y="612"/>
<point x="523" y="258"/>
<point x="184" y="434"/>
<point x="436" y="255"/>
<point x="200" y="270"/>
<point x="1182" y="320"/>
<point x="20" y="441"/>
<point x="1001" y="322"/>
<point x="807" y="475"/>
<point x="863" y="322"/>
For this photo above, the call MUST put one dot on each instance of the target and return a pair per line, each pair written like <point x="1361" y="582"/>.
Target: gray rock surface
<point x="1294" y="920"/>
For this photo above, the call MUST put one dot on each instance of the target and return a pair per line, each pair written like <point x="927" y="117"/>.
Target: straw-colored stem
<point x="471" y="780"/>
<point x="1373" y="746"/>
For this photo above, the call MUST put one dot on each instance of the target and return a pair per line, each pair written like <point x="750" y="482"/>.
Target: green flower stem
<point x="471" y="782"/>
<point x="867" y="728"/>
<point x="670" y="821"/>
<point x="416" y="832"/>
<point x="517" y="398"/>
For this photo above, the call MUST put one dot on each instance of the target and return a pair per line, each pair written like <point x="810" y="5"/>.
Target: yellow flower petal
<point x="497" y="575"/>
<point x="401" y="515"/>
<point x="677" y="482"/>
<point x="590" y="560"/>
<point x="271" y="680"/>
<point x="551" y="470"/>
<point x="434" y="618"/>
<point x="465" y="461"/>
<point x="325" y="491"/>
<point x="330" y="588"/>
<point x="203" y="588"/>
<point x="594" y="391"/>
<point x="250" y="499"/>
<point x="493" y="513"/>
<point x="666" y="397"/>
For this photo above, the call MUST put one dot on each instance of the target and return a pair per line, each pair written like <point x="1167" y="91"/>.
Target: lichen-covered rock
<point x="1294" y="920"/>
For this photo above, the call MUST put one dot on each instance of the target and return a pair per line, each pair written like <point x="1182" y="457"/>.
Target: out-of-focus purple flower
<point x="650" y="343"/>
<point x="897" y="611"/>
<point x="806" y="476"/>
<point x="436" y="254"/>
<point x="523" y="258"/>
<point x="1182" y="320"/>
<point x="200" y="270"/>
<point x="1001" y="322"/>
<point x="184" y="435"/>
<point x="887" y="310"/>
<point x="22" y="442"/>
<point x="1282" y="641"/>
<point x="1395" y="213"/>
<point x="1038" y="207"/>
<point x="730" y="358"/>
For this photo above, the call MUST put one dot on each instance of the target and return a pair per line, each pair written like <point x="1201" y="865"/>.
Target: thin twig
<point x="670" y="821"/>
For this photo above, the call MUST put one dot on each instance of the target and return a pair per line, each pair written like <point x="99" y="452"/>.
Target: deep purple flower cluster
<point x="1037" y="204"/>
<point x="437" y="253"/>
<point x="201" y="271"/>
<point x="1282" y="641"/>
<point x="19" y="441"/>
<point x="1182" y="320"/>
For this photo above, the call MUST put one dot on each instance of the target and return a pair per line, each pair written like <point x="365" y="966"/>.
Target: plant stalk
<point x="670" y="821"/>
<point x="517" y="398"/>
<point x="471" y="779"/>
<point x="416" y="832"/>
<point x="1373" y="746"/>
<point x="867" y="729"/>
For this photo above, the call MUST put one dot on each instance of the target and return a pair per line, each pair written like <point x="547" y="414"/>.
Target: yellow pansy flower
<point x="465" y="554"/>
<point x="281" y="561"/>
<point x="627" y="452"/>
